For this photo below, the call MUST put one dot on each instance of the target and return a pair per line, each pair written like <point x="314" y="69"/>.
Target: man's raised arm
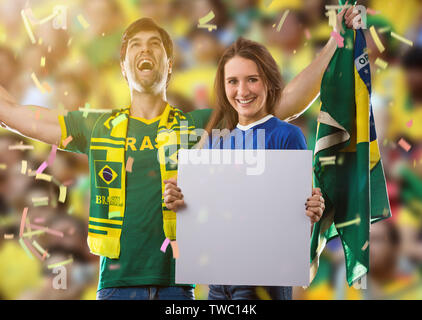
<point x="31" y="121"/>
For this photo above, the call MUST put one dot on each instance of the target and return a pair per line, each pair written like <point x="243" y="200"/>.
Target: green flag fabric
<point x="347" y="163"/>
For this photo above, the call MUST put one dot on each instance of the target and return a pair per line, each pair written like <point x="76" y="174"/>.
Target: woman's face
<point x="245" y="89"/>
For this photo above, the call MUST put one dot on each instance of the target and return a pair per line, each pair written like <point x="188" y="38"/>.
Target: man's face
<point x="146" y="65"/>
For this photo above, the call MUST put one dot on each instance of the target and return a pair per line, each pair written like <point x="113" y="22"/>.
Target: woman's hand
<point x="173" y="196"/>
<point x="349" y="17"/>
<point x="315" y="205"/>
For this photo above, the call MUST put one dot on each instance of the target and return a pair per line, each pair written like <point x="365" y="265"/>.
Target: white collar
<point x="253" y="124"/>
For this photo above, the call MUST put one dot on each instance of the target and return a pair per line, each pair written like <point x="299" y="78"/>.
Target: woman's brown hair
<point x="224" y="115"/>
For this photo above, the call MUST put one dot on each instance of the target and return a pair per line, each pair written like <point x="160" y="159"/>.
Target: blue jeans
<point x="146" y="293"/>
<point x="219" y="292"/>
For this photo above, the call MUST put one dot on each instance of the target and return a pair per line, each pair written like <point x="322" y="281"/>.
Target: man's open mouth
<point x="145" y="65"/>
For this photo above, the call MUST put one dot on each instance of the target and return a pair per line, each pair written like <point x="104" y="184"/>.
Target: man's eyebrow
<point x="153" y="38"/>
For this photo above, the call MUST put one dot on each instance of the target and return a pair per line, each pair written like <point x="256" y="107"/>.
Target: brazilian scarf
<point x="105" y="225"/>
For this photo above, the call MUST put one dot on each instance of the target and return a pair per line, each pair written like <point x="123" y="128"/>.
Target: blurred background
<point x="77" y="56"/>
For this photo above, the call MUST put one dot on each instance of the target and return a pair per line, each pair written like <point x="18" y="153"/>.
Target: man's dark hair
<point x="146" y="24"/>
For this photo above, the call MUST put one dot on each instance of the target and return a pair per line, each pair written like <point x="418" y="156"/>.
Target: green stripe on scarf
<point x="106" y="142"/>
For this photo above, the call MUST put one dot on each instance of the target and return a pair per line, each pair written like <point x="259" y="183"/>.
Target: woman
<point x="248" y="86"/>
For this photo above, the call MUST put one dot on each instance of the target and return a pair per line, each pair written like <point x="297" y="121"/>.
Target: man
<point x="127" y="214"/>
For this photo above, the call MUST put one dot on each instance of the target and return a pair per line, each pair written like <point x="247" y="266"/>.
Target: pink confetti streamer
<point x="307" y="34"/>
<point x="404" y="144"/>
<point x="129" y="164"/>
<point x="42" y="167"/>
<point x="409" y="124"/>
<point x="52" y="155"/>
<point x="339" y="39"/>
<point x="67" y="140"/>
<point x="23" y="220"/>
<point x="175" y="248"/>
<point x="165" y="244"/>
<point x="39" y="220"/>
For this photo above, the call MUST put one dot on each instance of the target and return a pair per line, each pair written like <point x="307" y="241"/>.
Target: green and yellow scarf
<point x="105" y="226"/>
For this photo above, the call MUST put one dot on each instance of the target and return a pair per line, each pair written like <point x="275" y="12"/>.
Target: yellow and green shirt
<point x="140" y="262"/>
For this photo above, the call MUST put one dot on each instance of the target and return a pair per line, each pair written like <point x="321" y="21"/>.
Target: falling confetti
<point x="42" y="167"/>
<point x="339" y="39"/>
<point x="40" y="249"/>
<point x="283" y="18"/>
<point x="347" y="223"/>
<point x="23" y="220"/>
<point x="409" y="124"/>
<point x="404" y="145"/>
<point x="175" y="248"/>
<point x="365" y="245"/>
<point x="118" y="120"/>
<point x="9" y="236"/>
<point x="37" y="83"/>
<point x="82" y="21"/>
<point x="402" y="39"/>
<point x="67" y="141"/>
<point x="62" y="195"/>
<point x="59" y="264"/>
<point x="165" y="244"/>
<point x="43" y="176"/>
<point x="129" y="164"/>
<point x="42" y="201"/>
<point x="381" y="63"/>
<point x="376" y="39"/>
<point x="23" y="245"/>
<point x="203" y="22"/>
<point x="28" y="27"/>
<point x="48" y="230"/>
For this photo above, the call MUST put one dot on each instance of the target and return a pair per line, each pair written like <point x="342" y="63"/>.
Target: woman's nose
<point x="242" y="89"/>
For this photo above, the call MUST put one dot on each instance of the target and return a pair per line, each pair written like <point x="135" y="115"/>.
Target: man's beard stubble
<point x="152" y="85"/>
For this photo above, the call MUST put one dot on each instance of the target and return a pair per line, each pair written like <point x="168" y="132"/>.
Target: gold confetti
<point x="283" y="18"/>
<point x="42" y="64"/>
<point x="402" y="39"/>
<point x="37" y="83"/>
<point x="82" y="21"/>
<point x="21" y="147"/>
<point x="376" y="39"/>
<point x="62" y="196"/>
<point x="28" y="27"/>
<point x="347" y="223"/>
<point x="203" y="22"/>
<point x="207" y="18"/>
<point x="42" y="201"/>
<point x="365" y="245"/>
<point x="381" y="63"/>
<point x="43" y="176"/>
<point x="59" y="264"/>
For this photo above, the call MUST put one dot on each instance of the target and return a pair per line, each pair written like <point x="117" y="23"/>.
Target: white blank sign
<point x="244" y="223"/>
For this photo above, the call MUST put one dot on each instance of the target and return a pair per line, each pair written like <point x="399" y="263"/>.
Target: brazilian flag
<point x="347" y="163"/>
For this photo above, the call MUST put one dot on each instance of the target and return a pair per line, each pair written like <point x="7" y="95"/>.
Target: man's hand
<point x="173" y="196"/>
<point x="315" y="205"/>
